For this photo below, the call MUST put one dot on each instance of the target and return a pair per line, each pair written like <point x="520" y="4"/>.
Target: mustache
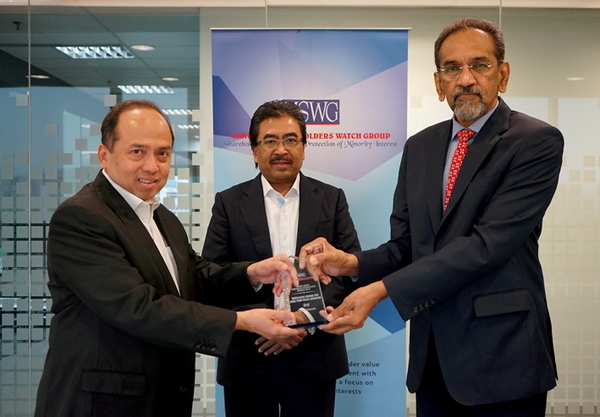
<point x="467" y="90"/>
<point x="280" y="159"/>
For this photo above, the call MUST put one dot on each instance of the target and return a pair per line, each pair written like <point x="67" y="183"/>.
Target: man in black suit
<point x="279" y="211"/>
<point x="464" y="267"/>
<point x="124" y="282"/>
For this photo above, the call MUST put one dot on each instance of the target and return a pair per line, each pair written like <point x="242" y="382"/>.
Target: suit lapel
<point x="310" y="207"/>
<point x="252" y="206"/>
<point x="435" y="173"/>
<point x="131" y="221"/>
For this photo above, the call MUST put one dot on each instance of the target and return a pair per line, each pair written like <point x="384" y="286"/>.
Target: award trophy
<point x="307" y="297"/>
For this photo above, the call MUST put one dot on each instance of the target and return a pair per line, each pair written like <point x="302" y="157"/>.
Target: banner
<point x="351" y="86"/>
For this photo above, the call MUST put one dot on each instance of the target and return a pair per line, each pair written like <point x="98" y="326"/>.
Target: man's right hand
<point x="328" y="260"/>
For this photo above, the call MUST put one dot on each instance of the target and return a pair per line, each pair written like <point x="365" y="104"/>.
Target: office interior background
<point x="51" y="107"/>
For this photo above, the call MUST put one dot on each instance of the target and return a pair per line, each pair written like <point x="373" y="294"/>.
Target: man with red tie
<point x="462" y="262"/>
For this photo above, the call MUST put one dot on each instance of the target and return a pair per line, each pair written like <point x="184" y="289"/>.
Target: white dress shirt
<point x="282" y="219"/>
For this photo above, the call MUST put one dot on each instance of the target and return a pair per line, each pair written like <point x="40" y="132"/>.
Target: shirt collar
<point x="267" y="188"/>
<point x="133" y="200"/>
<point x="477" y="124"/>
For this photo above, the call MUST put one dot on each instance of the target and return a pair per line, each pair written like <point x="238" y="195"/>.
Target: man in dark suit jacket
<point x="302" y="380"/>
<point x="125" y="281"/>
<point x="468" y="276"/>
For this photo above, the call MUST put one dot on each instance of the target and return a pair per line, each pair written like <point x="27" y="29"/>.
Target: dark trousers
<point x="280" y="392"/>
<point x="434" y="400"/>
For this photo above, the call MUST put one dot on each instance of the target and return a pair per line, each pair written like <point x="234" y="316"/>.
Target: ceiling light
<point x="170" y="79"/>
<point x="38" y="76"/>
<point x="146" y="89"/>
<point x="575" y="79"/>
<point x="143" y="47"/>
<point x="96" y="52"/>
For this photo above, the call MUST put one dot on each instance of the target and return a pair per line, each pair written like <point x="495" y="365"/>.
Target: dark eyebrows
<point x="285" y="135"/>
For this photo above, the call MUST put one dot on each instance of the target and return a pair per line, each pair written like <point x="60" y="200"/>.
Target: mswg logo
<point x="320" y="112"/>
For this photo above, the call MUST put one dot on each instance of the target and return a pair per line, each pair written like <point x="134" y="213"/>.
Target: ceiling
<point x="173" y="31"/>
<point x="175" y="36"/>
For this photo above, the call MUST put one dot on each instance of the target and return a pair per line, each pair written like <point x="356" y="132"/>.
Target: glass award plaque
<point x="307" y="297"/>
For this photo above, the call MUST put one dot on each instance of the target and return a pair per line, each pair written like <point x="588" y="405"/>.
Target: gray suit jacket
<point x="238" y="230"/>
<point x="122" y="340"/>
<point x="471" y="276"/>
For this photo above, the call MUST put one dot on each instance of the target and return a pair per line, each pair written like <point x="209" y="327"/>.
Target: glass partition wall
<point x="51" y="106"/>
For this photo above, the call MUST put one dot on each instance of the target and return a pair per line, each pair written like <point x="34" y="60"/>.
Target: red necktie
<point x="457" y="159"/>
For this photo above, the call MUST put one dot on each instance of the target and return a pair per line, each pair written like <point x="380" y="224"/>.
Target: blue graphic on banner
<point x="356" y="78"/>
<point x="352" y="88"/>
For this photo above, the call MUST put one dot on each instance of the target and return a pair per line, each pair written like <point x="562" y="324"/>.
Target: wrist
<point x="378" y="291"/>
<point x="300" y="317"/>
<point x="240" y="321"/>
<point x="251" y="278"/>
<point x="350" y="265"/>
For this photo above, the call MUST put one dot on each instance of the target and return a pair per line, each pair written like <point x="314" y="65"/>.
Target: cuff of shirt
<point x="311" y="330"/>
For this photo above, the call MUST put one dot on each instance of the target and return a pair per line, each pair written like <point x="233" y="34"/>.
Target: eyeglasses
<point x="478" y="68"/>
<point x="274" y="143"/>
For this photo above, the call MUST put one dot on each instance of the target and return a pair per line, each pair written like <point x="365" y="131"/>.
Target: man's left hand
<point x="276" y="346"/>
<point x="355" y="309"/>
